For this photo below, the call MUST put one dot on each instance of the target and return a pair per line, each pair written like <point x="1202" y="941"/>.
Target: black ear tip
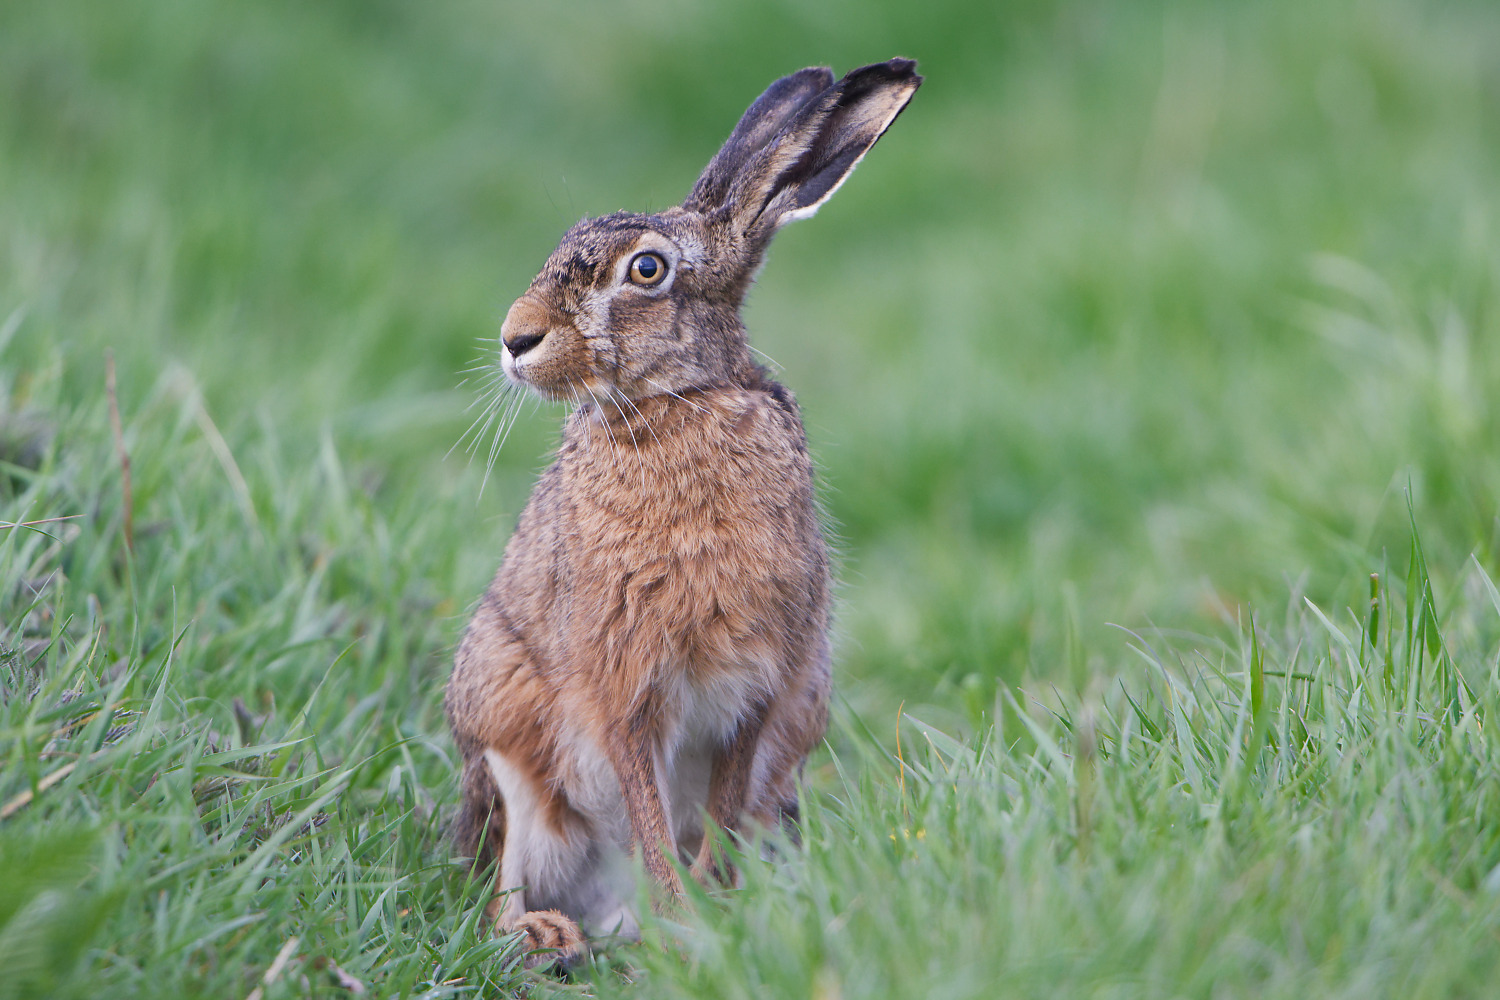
<point x="818" y="76"/>
<point x="896" y="70"/>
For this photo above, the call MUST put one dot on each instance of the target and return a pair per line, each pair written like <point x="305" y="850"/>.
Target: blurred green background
<point x="1144" y="313"/>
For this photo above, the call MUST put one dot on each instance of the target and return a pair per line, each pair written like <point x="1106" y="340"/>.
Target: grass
<point x="1144" y="339"/>
<point x="1304" y="810"/>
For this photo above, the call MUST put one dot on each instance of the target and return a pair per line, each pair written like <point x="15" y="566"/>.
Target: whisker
<point x="774" y="363"/>
<point x="486" y="395"/>
<point x="646" y="423"/>
<point x="473" y="448"/>
<point x="634" y="444"/>
<point x="608" y="435"/>
<point x="507" y="421"/>
<point x="588" y="430"/>
<point x="669" y="392"/>
<point x="486" y="416"/>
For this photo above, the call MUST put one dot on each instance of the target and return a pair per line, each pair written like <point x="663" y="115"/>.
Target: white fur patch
<point x="534" y="857"/>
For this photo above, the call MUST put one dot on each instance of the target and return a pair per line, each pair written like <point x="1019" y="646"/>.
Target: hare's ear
<point x="760" y="124"/>
<point x="796" y="145"/>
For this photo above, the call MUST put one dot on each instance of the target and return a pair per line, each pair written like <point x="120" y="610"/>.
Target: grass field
<point x="1151" y="361"/>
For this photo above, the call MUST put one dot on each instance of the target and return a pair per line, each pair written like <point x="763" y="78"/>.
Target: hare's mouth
<point x="529" y="364"/>
<point x="518" y="376"/>
<point x="512" y="367"/>
<point x="540" y="376"/>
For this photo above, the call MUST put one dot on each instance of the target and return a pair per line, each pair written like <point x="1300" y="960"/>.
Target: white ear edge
<point x="808" y="211"/>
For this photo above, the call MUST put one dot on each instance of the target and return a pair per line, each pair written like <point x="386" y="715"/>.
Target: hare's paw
<point x="550" y="938"/>
<point x="711" y="868"/>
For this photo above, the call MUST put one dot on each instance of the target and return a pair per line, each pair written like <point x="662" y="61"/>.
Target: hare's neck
<point x="636" y="421"/>
<point x="650" y="443"/>
<point x="728" y="457"/>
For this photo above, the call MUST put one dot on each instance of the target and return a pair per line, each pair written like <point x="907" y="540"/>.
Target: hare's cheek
<point x="638" y="316"/>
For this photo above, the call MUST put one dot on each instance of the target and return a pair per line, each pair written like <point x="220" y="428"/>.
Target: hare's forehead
<point x="594" y="247"/>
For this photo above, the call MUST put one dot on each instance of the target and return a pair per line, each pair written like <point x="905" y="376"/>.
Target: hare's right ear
<point x="797" y="144"/>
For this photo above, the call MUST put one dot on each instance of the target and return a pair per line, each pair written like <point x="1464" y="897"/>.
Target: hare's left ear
<point x="763" y="179"/>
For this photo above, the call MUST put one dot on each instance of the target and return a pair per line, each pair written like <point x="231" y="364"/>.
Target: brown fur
<point x="664" y="601"/>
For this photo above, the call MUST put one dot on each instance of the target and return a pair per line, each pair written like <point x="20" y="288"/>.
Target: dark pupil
<point x="646" y="267"/>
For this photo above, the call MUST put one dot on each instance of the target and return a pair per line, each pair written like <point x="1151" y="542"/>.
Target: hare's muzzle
<point x="525" y="326"/>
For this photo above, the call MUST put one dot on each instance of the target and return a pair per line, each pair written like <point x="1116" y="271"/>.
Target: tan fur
<point x="654" y="647"/>
<point x="550" y="937"/>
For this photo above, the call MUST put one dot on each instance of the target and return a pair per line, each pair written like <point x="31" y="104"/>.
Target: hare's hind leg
<point x="479" y="828"/>
<point x="529" y="849"/>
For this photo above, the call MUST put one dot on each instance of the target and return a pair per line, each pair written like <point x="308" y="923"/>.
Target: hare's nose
<point x="519" y="343"/>
<point x="525" y="325"/>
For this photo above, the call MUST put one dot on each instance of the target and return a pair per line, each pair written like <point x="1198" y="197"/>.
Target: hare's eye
<point x="648" y="269"/>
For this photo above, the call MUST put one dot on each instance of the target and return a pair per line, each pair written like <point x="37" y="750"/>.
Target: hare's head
<point x="635" y="305"/>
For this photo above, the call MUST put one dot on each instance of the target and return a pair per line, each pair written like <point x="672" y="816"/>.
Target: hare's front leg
<point x="755" y="775"/>
<point x="728" y="790"/>
<point x="632" y="751"/>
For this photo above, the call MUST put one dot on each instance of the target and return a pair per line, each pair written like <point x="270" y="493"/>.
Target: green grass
<point x="1308" y="812"/>
<point x="1145" y="324"/>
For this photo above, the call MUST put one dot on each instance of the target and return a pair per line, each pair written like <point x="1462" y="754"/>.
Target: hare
<point x="651" y="661"/>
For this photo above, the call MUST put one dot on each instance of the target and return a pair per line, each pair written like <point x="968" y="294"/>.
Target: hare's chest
<point x="698" y="530"/>
<point x="692" y="553"/>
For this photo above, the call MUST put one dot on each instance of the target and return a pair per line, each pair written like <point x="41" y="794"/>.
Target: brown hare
<point x="652" y="658"/>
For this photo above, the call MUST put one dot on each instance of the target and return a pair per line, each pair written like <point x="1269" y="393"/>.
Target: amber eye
<point x="648" y="269"/>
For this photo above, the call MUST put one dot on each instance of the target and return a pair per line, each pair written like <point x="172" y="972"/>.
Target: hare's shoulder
<point x="763" y="422"/>
<point x="746" y="459"/>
